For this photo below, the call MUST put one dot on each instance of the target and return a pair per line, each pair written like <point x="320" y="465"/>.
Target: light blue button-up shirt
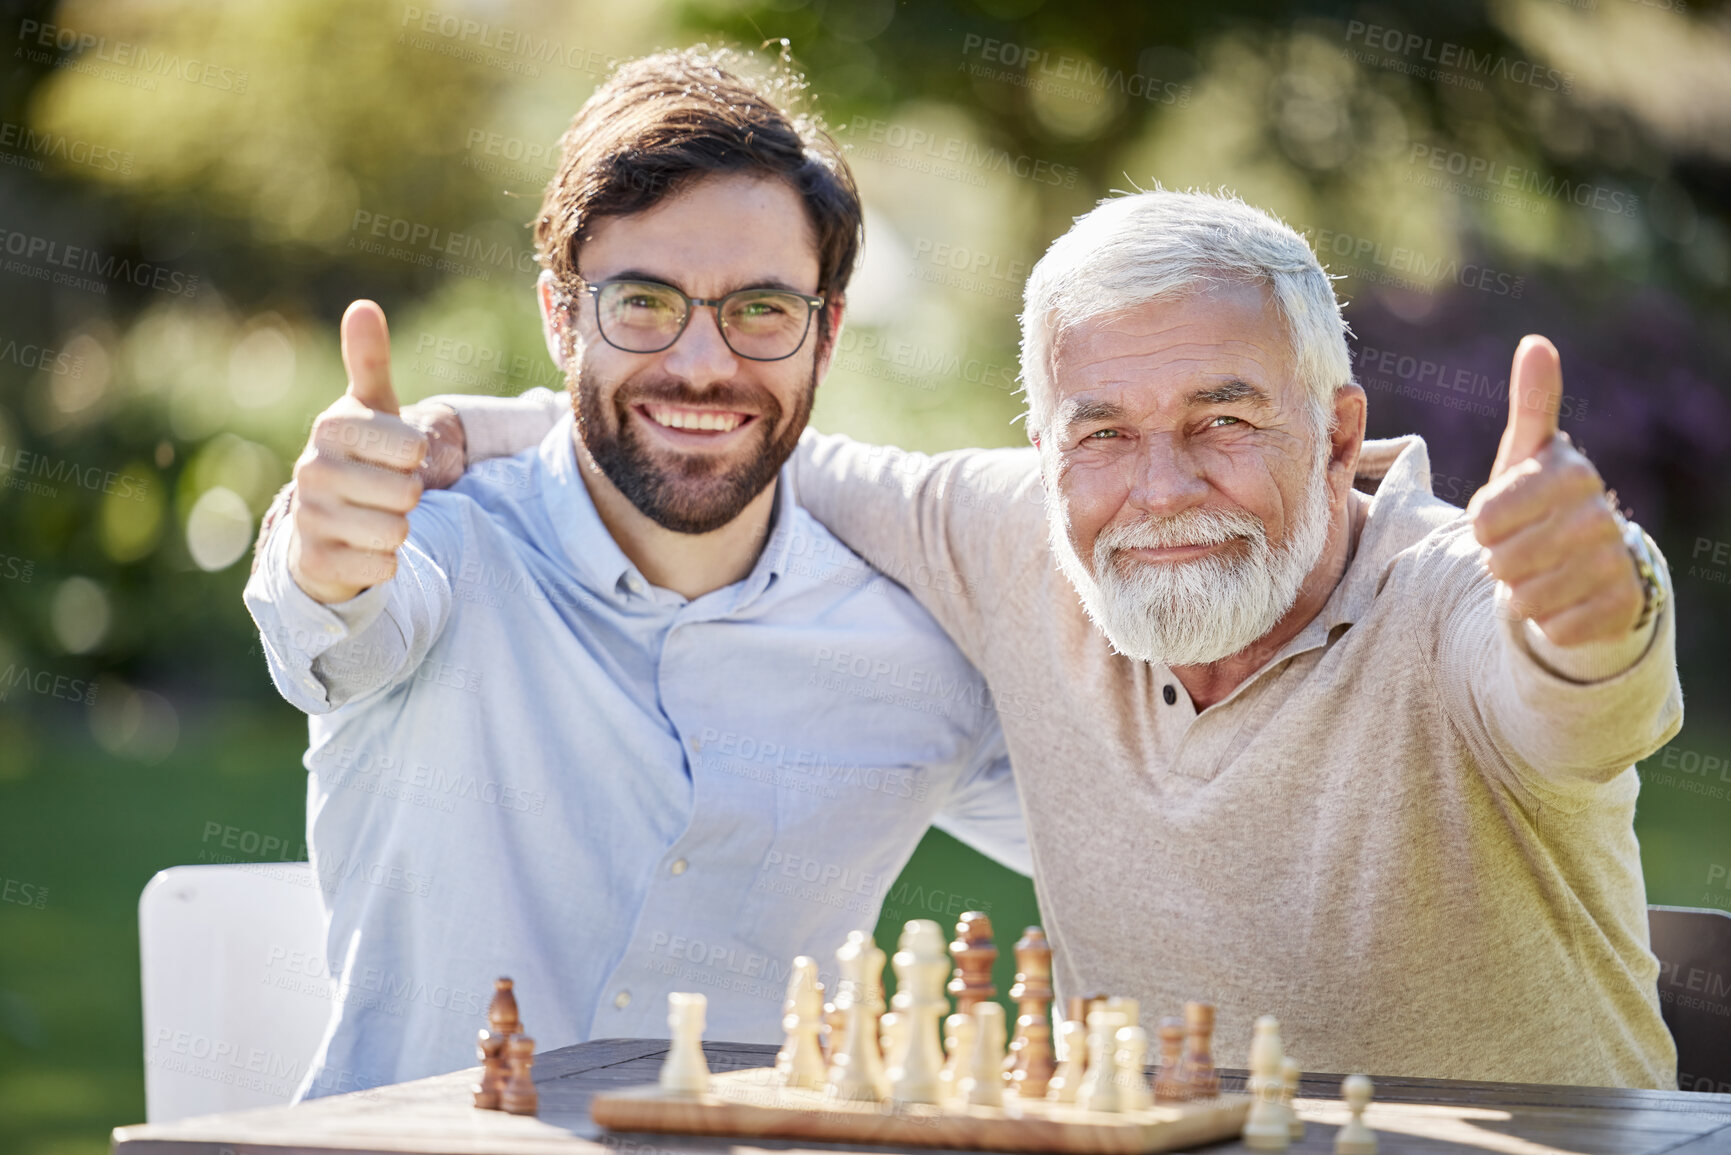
<point x="526" y="760"/>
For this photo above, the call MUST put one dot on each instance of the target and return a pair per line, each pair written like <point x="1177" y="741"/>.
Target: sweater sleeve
<point x="503" y="426"/>
<point x="959" y="530"/>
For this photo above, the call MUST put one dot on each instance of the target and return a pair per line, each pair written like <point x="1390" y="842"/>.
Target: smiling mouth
<point x="689" y="420"/>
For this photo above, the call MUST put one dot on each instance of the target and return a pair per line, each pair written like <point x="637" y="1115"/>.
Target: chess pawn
<point x="984" y="1084"/>
<point x="857" y="1072"/>
<point x="834" y="1028"/>
<point x="491" y="1083"/>
<point x="916" y="1062"/>
<point x="519" y="1096"/>
<point x="1099" y="1089"/>
<point x="685" y="1071"/>
<point x="1356" y="1137"/>
<point x="891" y="1033"/>
<point x="801" y="1061"/>
<point x="1168" y="1080"/>
<point x="502" y="1017"/>
<point x="1266" y="1128"/>
<point x="958" y="1050"/>
<point x="1289" y="1073"/>
<point x="1068" y="1077"/>
<point x="1200" y="1079"/>
<point x="1132" y="1057"/>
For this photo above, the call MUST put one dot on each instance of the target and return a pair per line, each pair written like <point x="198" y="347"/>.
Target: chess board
<point x="752" y="1104"/>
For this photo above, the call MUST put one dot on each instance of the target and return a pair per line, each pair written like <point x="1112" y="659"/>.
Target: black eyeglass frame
<point x="593" y="289"/>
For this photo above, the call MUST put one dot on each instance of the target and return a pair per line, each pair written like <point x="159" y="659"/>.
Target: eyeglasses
<point x="648" y="316"/>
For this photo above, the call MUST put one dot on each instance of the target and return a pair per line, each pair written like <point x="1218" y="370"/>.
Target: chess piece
<point x="1168" y="1080"/>
<point x="1130" y="1008"/>
<point x="917" y="1062"/>
<point x="1029" y="1065"/>
<point x="1099" y="1089"/>
<point x="958" y="1050"/>
<point x="1356" y="1137"/>
<point x="834" y="1027"/>
<point x="983" y="1086"/>
<point x="1068" y="1077"/>
<point x="502" y="1017"/>
<point x="685" y="1071"/>
<point x="974" y="953"/>
<point x="857" y="1070"/>
<point x="1132" y="1057"/>
<point x="1196" y="1072"/>
<point x="519" y="1096"/>
<point x="1266" y="1128"/>
<point x="801" y="1061"/>
<point x="890" y="1036"/>
<point x="491" y="1084"/>
<point x="1289" y="1073"/>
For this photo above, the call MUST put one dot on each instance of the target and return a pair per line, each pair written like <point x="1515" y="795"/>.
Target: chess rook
<point x="1068" y="1077"/>
<point x="519" y="1096"/>
<point x="917" y="1063"/>
<point x="1030" y="1064"/>
<point x="1267" y="1128"/>
<point x="974" y="952"/>
<point x="685" y="1071"/>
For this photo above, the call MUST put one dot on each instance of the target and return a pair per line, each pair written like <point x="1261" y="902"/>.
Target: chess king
<point x="1314" y="742"/>
<point x="616" y="716"/>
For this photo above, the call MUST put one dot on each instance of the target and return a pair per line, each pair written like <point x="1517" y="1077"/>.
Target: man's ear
<point x="834" y="310"/>
<point x="552" y="318"/>
<point x="1347" y="439"/>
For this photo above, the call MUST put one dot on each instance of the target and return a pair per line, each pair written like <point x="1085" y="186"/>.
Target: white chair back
<point x="237" y="994"/>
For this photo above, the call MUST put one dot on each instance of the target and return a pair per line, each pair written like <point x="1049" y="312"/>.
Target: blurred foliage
<point x="212" y="184"/>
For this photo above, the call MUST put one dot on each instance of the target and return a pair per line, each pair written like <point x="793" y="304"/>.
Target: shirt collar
<point x="602" y="566"/>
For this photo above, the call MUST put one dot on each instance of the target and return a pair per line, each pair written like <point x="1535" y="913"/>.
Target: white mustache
<point x="1192" y="527"/>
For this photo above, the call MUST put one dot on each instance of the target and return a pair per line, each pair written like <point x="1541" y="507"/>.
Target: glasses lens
<point x="766" y="324"/>
<point x="640" y="316"/>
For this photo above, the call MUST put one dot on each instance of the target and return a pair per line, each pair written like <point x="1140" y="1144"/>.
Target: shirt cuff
<point x="503" y="426"/>
<point x="305" y="626"/>
<point x="1586" y="663"/>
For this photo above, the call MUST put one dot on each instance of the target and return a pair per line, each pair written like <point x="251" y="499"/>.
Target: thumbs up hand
<point x="1548" y="529"/>
<point x="356" y="481"/>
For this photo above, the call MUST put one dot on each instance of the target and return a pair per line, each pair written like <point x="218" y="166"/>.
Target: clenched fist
<point x="360" y="474"/>
<point x="1548" y="528"/>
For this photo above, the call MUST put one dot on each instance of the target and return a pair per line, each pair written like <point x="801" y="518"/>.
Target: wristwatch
<point x="1646" y="568"/>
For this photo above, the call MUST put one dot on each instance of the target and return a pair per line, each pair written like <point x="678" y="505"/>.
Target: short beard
<point x="1199" y="612"/>
<point x="686" y="494"/>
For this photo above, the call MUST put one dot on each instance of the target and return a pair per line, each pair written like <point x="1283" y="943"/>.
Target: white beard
<point x="1194" y="613"/>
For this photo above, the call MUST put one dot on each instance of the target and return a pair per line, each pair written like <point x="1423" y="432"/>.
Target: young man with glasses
<point x="615" y="716"/>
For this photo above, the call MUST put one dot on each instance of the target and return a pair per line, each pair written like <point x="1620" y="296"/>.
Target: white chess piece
<point x="1099" y="1089"/>
<point x="1072" y="1056"/>
<point x="1267" y="1128"/>
<point x="921" y="964"/>
<point x="801" y="1059"/>
<point x="959" y="1052"/>
<point x="983" y="1086"/>
<point x="1134" y="1093"/>
<point x="1289" y="1073"/>
<point x="1356" y="1137"/>
<point x="684" y="1071"/>
<point x="857" y="1073"/>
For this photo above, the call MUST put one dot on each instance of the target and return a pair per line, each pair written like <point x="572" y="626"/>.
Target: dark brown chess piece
<point x="492" y="1081"/>
<point x="520" y="1097"/>
<point x="1169" y="1080"/>
<point x="502" y="1018"/>
<point x="1200" y="1079"/>
<point x="974" y="952"/>
<point x="1029" y="1065"/>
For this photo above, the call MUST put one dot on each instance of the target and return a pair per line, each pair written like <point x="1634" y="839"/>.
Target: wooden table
<point x="1410" y="1115"/>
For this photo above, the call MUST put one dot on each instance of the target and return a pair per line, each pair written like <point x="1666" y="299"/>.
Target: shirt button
<point x="1171" y="696"/>
<point x="622" y="999"/>
<point x="679" y="865"/>
<point x="696" y="745"/>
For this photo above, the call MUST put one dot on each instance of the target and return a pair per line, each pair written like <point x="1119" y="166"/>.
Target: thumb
<point x="1535" y="394"/>
<point x="367" y="356"/>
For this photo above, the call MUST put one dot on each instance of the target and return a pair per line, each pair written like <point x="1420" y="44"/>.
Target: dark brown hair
<point x="664" y="121"/>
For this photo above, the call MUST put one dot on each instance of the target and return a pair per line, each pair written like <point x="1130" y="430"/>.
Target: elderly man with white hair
<point x="1311" y="741"/>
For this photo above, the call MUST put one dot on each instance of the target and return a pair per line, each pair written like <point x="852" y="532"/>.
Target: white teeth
<point x="694" y="419"/>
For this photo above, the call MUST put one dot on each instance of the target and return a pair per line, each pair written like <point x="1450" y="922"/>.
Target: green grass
<point x="92" y="829"/>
